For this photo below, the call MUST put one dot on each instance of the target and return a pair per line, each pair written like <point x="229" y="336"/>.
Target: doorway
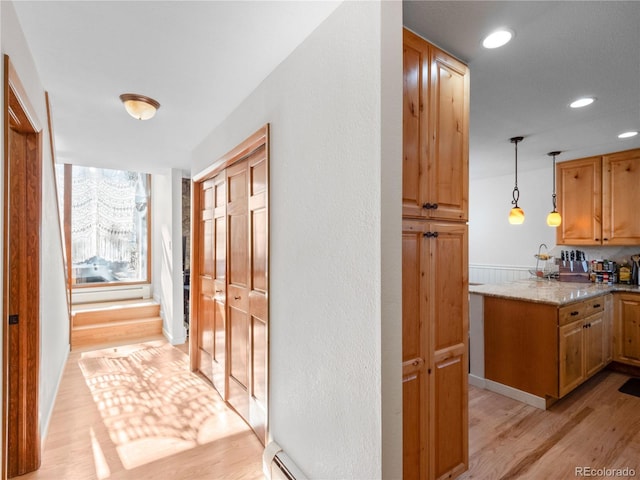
<point x="21" y="277"/>
<point x="229" y="278"/>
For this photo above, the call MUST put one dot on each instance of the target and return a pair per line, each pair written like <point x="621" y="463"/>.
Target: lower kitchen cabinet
<point x="627" y="328"/>
<point x="581" y="351"/>
<point x="542" y="349"/>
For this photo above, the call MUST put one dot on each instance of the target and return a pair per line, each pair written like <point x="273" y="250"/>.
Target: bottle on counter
<point x="624" y="273"/>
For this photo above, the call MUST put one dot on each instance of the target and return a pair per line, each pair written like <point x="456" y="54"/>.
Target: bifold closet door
<point x="212" y="277"/>
<point x="247" y="288"/>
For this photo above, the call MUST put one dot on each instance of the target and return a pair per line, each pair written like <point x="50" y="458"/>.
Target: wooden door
<point x="21" y="296"/>
<point x="620" y="198"/>
<point x="238" y="286"/>
<point x="206" y="289"/>
<point x="233" y="248"/>
<point x="447" y="246"/>
<point x="627" y="328"/>
<point x="594" y="353"/>
<point x="415" y="115"/>
<point x="258" y="228"/>
<point x="571" y="351"/>
<point x="415" y="351"/>
<point x="448" y="166"/>
<point x="579" y="189"/>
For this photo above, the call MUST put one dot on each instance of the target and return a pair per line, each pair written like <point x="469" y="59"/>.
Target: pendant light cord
<point x="516" y="192"/>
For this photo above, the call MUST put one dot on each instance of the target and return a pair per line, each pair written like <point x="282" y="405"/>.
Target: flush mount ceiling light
<point x="554" y="219"/>
<point x="139" y="106"/>
<point x="628" y="134"/>
<point x="516" y="215"/>
<point x="582" y="102"/>
<point x="498" y="38"/>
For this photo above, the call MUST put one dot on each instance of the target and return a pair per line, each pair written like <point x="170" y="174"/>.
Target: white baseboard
<point x="477" y="381"/>
<point x="516" y="394"/>
<point x="174" y="340"/>
<point x="44" y="430"/>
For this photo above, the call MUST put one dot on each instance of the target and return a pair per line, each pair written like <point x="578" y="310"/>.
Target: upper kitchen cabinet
<point x="580" y="201"/>
<point x="621" y="198"/>
<point x="435" y="132"/>
<point x="596" y="196"/>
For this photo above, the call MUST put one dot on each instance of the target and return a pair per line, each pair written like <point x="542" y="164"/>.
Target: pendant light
<point x="554" y="219"/>
<point x="516" y="215"/>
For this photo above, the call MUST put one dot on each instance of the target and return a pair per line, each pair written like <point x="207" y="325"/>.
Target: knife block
<point x="579" y="274"/>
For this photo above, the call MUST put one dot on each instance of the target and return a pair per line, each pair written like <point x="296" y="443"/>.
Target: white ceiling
<point x="201" y="59"/>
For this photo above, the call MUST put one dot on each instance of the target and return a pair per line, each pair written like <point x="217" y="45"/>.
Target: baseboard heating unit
<point x="277" y="465"/>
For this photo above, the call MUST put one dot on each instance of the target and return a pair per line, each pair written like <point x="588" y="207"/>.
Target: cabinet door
<point x="415" y="137"/>
<point x="593" y="344"/>
<point x="621" y="178"/>
<point x="448" y="166"/>
<point x="627" y="328"/>
<point x="448" y="303"/>
<point x="571" y="351"/>
<point x="415" y="350"/>
<point x="579" y="202"/>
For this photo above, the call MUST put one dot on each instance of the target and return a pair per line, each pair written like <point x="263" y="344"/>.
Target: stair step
<point x="111" y="332"/>
<point x="113" y="312"/>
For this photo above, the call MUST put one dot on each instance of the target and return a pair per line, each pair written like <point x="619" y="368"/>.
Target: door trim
<point x="20" y="116"/>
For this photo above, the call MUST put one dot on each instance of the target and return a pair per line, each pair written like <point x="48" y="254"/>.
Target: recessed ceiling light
<point x="628" y="134"/>
<point x="498" y="38"/>
<point x="582" y="102"/>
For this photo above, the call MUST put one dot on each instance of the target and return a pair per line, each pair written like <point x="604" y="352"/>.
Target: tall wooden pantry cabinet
<point x="434" y="261"/>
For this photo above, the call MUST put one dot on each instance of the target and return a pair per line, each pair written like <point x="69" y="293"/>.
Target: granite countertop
<point x="549" y="291"/>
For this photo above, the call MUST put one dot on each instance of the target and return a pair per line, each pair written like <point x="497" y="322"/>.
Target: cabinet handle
<point x="431" y="234"/>
<point x="597" y="305"/>
<point x="236" y="298"/>
<point x="430" y="206"/>
<point x="218" y="291"/>
<point x="605" y="239"/>
<point x="573" y="314"/>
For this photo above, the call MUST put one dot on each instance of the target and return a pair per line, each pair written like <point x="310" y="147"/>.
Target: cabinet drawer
<point x="570" y="313"/>
<point x="593" y="305"/>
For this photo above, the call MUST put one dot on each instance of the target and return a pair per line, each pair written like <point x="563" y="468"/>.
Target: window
<point x="108" y="229"/>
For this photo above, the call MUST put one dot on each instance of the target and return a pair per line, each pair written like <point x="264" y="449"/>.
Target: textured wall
<point x="330" y="238"/>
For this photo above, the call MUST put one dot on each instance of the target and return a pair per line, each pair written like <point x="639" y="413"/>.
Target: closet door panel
<point x="258" y="310"/>
<point x="219" y="248"/>
<point x="206" y="286"/>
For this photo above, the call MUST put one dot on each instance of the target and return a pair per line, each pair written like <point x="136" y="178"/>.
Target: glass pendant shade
<point x="554" y="219"/>
<point x="139" y="106"/>
<point x="516" y="216"/>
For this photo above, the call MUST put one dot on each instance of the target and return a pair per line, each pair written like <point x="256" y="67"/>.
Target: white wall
<point x="166" y="246"/>
<point x="335" y="247"/>
<point x="499" y="251"/>
<point x="54" y="321"/>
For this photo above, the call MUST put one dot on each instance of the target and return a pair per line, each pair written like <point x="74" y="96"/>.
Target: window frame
<point x="68" y="175"/>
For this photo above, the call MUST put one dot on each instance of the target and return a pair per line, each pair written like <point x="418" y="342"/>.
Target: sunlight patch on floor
<point x="151" y="404"/>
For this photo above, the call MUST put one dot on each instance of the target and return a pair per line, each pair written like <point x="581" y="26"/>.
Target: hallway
<point x="137" y="412"/>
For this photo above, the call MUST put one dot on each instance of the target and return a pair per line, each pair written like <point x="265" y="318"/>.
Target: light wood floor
<point x="595" y="426"/>
<point x="136" y="412"/>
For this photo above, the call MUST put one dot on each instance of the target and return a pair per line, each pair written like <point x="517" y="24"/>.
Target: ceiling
<point x="201" y="59"/>
<point x="560" y="51"/>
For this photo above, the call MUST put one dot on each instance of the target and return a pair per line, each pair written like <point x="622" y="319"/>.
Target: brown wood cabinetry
<point x="434" y="261"/>
<point x="542" y="349"/>
<point x="435" y="132"/>
<point x="627" y="328"/>
<point x="435" y="312"/>
<point x="581" y="344"/>
<point x="595" y="198"/>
